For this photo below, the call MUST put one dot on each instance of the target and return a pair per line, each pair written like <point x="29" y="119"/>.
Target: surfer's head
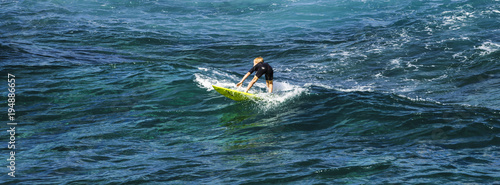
<point x="258" y="60"/>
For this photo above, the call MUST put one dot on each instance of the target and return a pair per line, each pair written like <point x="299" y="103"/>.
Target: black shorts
<point x="262" y="68"/>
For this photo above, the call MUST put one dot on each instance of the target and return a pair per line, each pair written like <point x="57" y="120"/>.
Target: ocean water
<point x="366" y="91"/>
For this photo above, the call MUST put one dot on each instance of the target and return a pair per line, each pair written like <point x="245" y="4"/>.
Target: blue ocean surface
<point x="365" y="91"/>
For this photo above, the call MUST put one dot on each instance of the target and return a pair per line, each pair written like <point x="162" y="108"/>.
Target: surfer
<point x="262" y="68"/>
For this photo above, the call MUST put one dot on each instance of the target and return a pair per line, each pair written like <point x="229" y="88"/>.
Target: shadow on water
<point x="236" y="114"/>
<point x="247" y="134"/>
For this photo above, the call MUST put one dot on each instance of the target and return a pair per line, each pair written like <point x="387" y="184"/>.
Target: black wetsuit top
<point x="262" y="68"/>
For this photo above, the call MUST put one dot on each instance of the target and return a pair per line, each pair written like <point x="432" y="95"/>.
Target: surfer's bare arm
<point x="255" y="78"/>
<point x="242" y="80"/>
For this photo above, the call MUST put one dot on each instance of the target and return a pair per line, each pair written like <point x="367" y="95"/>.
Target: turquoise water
<point x="366" y="92"/>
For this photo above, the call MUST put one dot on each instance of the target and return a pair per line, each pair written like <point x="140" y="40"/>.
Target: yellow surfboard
<point x="234" y="94"/>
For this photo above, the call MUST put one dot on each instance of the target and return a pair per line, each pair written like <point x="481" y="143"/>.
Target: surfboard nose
<point x="234" y="94"/>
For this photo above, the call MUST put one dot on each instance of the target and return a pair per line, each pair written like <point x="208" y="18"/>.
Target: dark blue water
<point x="366" y="92"/>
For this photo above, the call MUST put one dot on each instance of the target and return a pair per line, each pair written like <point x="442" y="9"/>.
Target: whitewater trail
<point x="282" y="91"/>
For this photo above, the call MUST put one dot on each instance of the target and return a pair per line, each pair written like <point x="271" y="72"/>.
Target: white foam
<point x="438" y="78"/>
<point x="456" y="19"/>
<point x="395" y="63"/>
<point x="203" y="69"/>
<point x="344" y="56"/>
<point x="352" y="88"/>
<point x="318" y="85"/>
<point x="419" y="99"/>
<point x="282" y="92"/>
<point x="488" y="47"/>
<point x="359" y="88"/>
<point x="207" y="80"/>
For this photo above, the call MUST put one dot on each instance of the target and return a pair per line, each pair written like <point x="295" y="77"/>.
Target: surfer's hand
<point x="239" y="84"/>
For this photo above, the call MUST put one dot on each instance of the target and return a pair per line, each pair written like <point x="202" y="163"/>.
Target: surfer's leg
<point x="269" y="80"/>
<point x="269" y="84"/>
